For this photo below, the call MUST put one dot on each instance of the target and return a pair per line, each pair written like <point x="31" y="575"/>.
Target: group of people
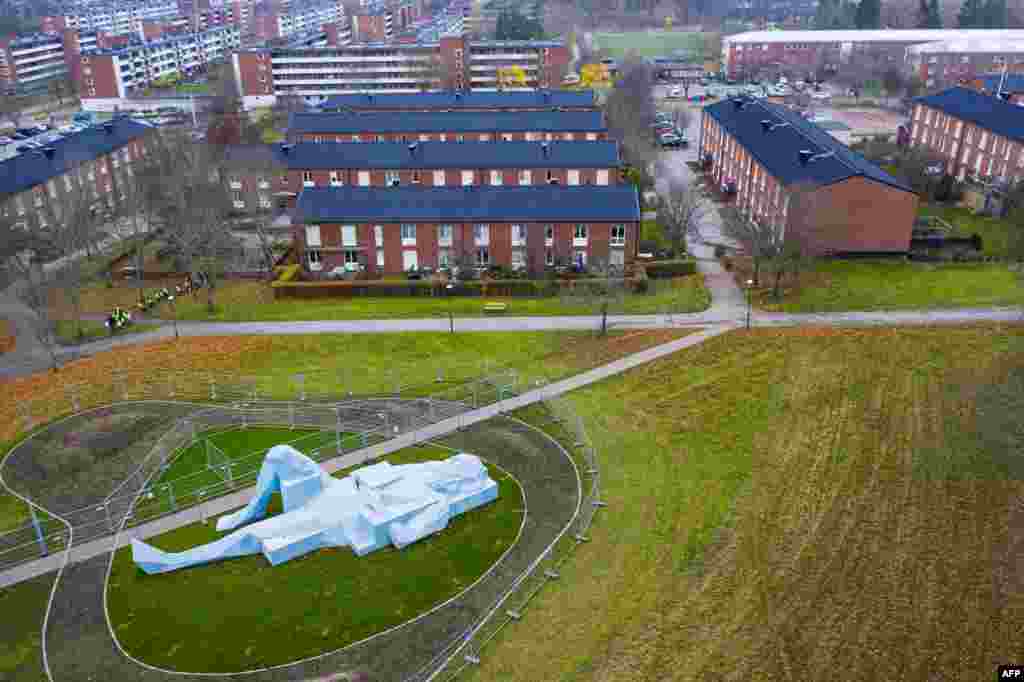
<point x="120" y="318"/>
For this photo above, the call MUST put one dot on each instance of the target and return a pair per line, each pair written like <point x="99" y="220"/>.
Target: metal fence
<point x="462" y="654"/>
<point x="144" y="493"/>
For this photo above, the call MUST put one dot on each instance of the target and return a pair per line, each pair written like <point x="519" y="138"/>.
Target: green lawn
<point x="995" y="232"/>
<point x="836" y="286"/>
<point x="649" y="43"/>
<point x="248" y="301"/>
<point x="244" y="447"/>
<point x="90" y="330"/>
<point x="192" y="88"/>
<point x="259" y="615"/>
<point x="785" y="503"/>
<point x="21" y="629"/>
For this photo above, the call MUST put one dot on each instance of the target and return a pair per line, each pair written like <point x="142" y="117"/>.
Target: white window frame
<point x="349" y="235"/>
<point x="467" y="178"/>
<point x="307" y="179"/>
<point x="602" y="176"/>
<point x="444" y="235"/>
<point x="581" y="235"/>
<point x="618" y="235"/>
<point x="483" y="256"/>
<point x="573" y="176"/>
<point x="336" y="179"/>
<point x="518" y="234"/>
<point x="314" y="259"/>
<point x="497" y="177"/>
<point x="313" y="237"/>
<point x="439" y="178"/>
<point x="392" y="178"/>
<point x="482" y="234"/>
<point x="408" y="233"/>
<point x="549" y="234"/>
<point x="525" y="177"/>
<point x="364" y="178"/>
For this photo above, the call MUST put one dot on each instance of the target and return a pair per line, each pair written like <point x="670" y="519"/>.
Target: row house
<point x="951" y="62"/>
<point x="977" y="135"/>
<point x="124" y="18"/>
<point x="448" y="126"/>
<point x="85" y="168"/>
<point x="469" y="100"/>
<point x="390" y="231"/>
<point x="806" y="52"/>
<point x="791" y="175"/>
<point x="115" y="73"/>
<point x="452" y="63"/>
<point x="29" y="62"/>
<point x="263" y="176"/>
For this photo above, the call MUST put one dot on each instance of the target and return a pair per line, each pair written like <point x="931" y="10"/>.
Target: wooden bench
<point x="495" y="308"/>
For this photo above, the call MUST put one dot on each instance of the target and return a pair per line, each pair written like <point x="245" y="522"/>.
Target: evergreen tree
<point x="868" y="14"/>
<point x="934" y="15"/>
<point x="970" y="14"/>
<point x="923" y="15"/>
<point x="993" y="14"/>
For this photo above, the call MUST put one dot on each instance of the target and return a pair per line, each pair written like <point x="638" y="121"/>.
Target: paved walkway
<point x="239" y="498"/>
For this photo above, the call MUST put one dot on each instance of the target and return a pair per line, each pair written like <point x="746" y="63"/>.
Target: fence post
<point x="337" y="430"/>
<point x="40" y="538"/>
<point x="300" y="379"/>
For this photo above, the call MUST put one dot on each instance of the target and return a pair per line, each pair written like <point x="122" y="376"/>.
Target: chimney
<point x="805" y="156"/>
<point x="546" y="148"/>
<point x="108" y="128"/>
<point x="286" y="148"/>
<point x="412" y="149"/>
<point x="766" y="125"/>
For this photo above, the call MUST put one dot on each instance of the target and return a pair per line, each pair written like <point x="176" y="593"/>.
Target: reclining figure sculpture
<point x="376" y="505"/>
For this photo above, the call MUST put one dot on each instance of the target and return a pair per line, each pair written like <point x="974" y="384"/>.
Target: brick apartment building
<point x="35" y="185"/>
<point x="118" y="72"/>
<point x="445" y="126"/>
<point x="263" y="176"/>
<point x="451" y="63"/>
<point x="789" y="172"/>
<point x="977" y="135"/>
<point x="800" y="53"/>
<point x="125" y="17"/>
<point x="29" y="62"/>
<point x="1009" y="86"/>
<point x="390" y="231"/>
<point x="951" y="62"/>
<point x="514" y="100"/>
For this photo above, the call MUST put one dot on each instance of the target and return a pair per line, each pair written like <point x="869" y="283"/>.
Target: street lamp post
<point x="750" y="283"/>
<point x="174" y="310"/>
<point x="451" y="318"/>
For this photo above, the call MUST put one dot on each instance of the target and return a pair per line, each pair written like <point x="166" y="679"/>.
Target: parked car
<point x="670" y="140"/>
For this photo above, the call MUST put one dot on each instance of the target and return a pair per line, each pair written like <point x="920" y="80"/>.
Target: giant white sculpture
<point x="375" y="506"/>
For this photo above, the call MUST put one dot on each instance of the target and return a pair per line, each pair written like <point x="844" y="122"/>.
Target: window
<point x="483" y="257"/>
<point x="496" y="178"/>
<point x="482" y="234"/>
<point x="380" y="257"/>
<point x="348" y="235"/>
<point x="460" y="138"/>
<point x="444" y="234"/>
<point x="408" y="234"/>
<point x="409" y="260"/>
<point x="524" y="177"/>
<point x="264" y="200"/>
<point x="618" y="235"/>
<point x="984" y="140"/>
<point x="313" y="258"/>
<point x="380" y="138"/>
<point x="580" y="257"/>
<point x="552" y="180"/>
<point x="467" y="178"/>
<point x="518" y="234"/>
<point x="307" y="178"/>
<point x="313" y="235"/>
<point x="364" y="178"/>
<point x="335" y="179"/>
<point x="424" y="137"/>
<point x="580" y="232"/>
<point x="617" y="258"/>
<point x="351" y="258"/>
<point x="415" y="177"/>
<point x="518" y="259"/>
<point x="439" y="178"/>
<point x="444" y="258"/>
<point x="443" y="137"/>
<point x="378" y="234"/>
<point x="574" y="177"/>
<point x="549" y="257"/>
<point x="392" y="179"/>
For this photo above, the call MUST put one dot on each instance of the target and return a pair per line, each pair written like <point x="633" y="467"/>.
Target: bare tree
<point x="629" y="111"/>
<point x="34" y="289"/>
<point x="760" y="241"/>
<point x="682" y="211"/>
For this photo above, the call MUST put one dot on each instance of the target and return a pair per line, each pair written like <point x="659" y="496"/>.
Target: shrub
<point x="289" y="273"/>
<point x="671" y="268"/>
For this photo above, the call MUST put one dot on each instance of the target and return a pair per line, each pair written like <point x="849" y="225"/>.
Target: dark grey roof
<point x="451" y="99"/>
<point x="32" y="168"/>
<point x="991" y="113"/>
<point x="447" y="121"/>
<point x="467" y="204"/>
<point x="778" y="149"/>
<point x="330" y="155"/>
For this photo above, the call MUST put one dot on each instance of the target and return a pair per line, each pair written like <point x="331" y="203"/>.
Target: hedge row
<point x="513" y="288"/>
<point x="671" y="268"/>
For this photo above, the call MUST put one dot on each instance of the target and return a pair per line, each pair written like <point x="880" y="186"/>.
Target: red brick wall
<point x="368" y="28"/>
<point x="72" y="54"/>
<point x="52" y="24"/>
<point x="556" y="65"/>
<point x="453" y="59"/>
<point x="854" y="215"/>
<point x="249" y="69"/>
<point x="103" y="77"/>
